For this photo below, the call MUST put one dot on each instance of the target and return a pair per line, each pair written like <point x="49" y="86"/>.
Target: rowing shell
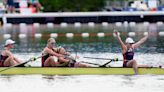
<point x="79" y="71"/>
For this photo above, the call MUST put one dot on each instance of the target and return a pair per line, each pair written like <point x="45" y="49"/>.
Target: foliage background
<point x="72" y="5"/>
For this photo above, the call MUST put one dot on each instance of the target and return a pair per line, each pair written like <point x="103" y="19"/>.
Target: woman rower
<point x="128" y="51"/>
<point x="50" y="59"/>
<point x="7" y="58"/>
<point x="68" y="59"/>
<point x="57" y="56"/>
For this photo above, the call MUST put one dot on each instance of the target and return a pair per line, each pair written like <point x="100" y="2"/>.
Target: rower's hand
<point x="77" y="57"/>
<point x="60" y="55"/>
<point x="67" y="53"/>
<point x="116" y="32"/>
<point x="148" y="35"/>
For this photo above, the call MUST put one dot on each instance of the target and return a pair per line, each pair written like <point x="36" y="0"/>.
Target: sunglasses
<point x="53" y="43"/>
<point x="130" y="43"/>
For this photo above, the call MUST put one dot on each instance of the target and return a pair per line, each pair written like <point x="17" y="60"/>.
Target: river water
<point x="82" y="83"/>
<point x="29" y="45"/>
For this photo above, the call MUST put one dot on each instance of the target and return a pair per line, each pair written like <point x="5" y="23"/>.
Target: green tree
<point x="72" y="5"/>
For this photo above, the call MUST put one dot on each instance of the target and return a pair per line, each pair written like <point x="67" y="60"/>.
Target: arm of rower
<point x="52" y="52"/>
<point x="68" y="53"/>
<point x="71" y="56"/>
<point x="123" y="46"/>
<point x="61" y="59"/>
<point x="17" y="60"/>
<point x="141" y="41"/>
<point x="11" y="55"/>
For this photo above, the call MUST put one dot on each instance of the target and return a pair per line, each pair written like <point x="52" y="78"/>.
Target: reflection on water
<point x="128" y="80"/>
<point x="81" y="83"/>
<point x="7" y="78"/>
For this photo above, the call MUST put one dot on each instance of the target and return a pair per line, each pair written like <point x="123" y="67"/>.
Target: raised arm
<point x="123" y="46"/>
<point x="141" y="41"/>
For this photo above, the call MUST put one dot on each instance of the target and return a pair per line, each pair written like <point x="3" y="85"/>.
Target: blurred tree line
<point x="72" y="5"/>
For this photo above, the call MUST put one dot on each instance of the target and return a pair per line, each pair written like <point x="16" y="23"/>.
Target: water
<point x="82" y="83"/>
<point x="150" y="53"/>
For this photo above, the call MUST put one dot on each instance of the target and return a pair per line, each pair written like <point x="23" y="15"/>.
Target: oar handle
<point x="115" y="59"/>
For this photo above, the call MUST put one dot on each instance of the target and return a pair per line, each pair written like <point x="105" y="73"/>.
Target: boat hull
<point x="79" y="71"/>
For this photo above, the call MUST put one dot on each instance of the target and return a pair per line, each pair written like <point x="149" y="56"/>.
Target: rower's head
<point x="51" y="42"/>
<point x="9" y="43"/>
<point x="61" y="50"/>
<point x="129" y="41"/>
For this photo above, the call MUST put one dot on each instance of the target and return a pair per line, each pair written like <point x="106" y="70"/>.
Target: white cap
<point x="9" y="41"/>
<point x="129" y="40"/>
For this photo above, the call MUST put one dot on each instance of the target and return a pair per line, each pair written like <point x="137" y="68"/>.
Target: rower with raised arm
<point x="7" y="58"/>
<point x="128" y="51"/>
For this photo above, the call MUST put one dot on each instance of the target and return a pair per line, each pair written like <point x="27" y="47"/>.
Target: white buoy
<point x="159" y="23"/>
<point x="69" y="35"/>
<point x="36" y="25"/>
<point x="105" y="24"/>
<point x="4" y="19"/>
<point x="145" y="33"/>
<point x="131" y="34"/>
<point x="55" y="35"/>
<point x="22" y="24"/>
<point x="118" y="24"/>
<point x="63" y="24"/>
<point x="161" y="33"/>
<point x="77" y="24"/>
<point x="100" y="34"/>
<point x="146" y="23"/>
<point x="125" y="23"/>
<point x="141" y="16"/>
<point x="22" y="35"/>
<point x="115" y="34"/>
<point x="132" y="24"/>
<point x="38" y="35"/>
<point x="91" y="24"/>
<point x="6" y="36"/>
<point x="85" y="34"/>
<point x="50" y="25"/>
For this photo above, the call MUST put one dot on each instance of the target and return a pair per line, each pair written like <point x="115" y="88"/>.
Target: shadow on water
<point x="7" y="78"/>
<point x="53" y="79"/>
<point x="128" y="80"/>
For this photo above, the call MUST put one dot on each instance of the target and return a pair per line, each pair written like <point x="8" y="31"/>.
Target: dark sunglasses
<point x="130" y="43"/>
<point x="53" y="43"/>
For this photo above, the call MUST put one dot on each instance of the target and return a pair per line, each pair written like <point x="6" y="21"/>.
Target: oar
<point x="104" y="65"/>
<point x="116" y="59"/>
<point x="90" y="63"/>
<point x="31" y="59"/>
